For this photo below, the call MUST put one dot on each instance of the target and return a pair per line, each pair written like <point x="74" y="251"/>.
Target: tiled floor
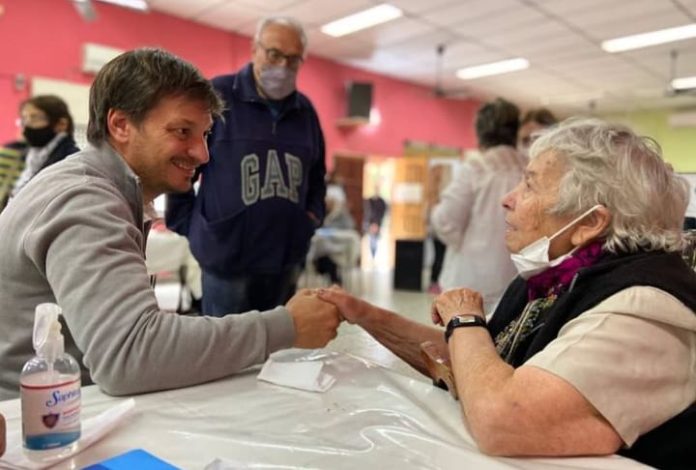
<point x="373" y="285"/>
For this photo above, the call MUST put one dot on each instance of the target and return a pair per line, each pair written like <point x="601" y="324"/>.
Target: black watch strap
<point x="461" y="321"/>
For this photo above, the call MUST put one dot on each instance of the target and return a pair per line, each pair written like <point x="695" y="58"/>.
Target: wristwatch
<point x="459" y="321"/>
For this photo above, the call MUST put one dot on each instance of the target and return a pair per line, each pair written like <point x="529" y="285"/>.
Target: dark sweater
<point x="266" y="172"/>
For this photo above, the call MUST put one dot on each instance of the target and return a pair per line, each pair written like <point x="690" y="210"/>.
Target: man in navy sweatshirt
<point x="262" y="194"/>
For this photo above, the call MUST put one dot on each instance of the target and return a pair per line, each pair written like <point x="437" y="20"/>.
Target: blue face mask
<point x="534" y="258"/>
<point x="277" y="81"/>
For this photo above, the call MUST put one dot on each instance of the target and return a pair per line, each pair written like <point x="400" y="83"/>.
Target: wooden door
<point x="348" y="171"/>
<point x="408" y="207"/>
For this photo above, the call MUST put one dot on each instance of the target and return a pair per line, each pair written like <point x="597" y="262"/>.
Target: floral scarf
<point x="542" y="290"/>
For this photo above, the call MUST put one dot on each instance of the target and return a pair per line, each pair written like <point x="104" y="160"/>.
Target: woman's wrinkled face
<point x="527" y="206"/>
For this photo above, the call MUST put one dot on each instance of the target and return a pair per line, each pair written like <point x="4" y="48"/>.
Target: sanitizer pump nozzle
<point x="48" y="340"/>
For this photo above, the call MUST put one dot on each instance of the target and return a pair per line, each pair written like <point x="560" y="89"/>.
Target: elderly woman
<point x="592" y="349"/>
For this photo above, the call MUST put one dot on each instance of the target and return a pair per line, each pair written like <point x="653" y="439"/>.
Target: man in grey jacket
<point x="76" y="236"/>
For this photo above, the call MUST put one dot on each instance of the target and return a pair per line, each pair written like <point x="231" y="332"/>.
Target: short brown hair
<point x="136" y="81"/>
<point x="497" y="123"/>
<point x="541" y="116"/>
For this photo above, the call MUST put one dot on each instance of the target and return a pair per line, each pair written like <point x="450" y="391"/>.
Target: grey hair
<point x="609" y="164"/>
<point x="288" y="21"/>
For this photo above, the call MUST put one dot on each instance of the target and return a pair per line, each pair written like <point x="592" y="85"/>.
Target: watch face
<point x="458" y="321"/>
<point x="467" y="319"/>
<point x="463" y="320"/>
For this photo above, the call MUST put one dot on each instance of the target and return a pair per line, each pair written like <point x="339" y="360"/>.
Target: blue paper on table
<point x="138" y="458"/>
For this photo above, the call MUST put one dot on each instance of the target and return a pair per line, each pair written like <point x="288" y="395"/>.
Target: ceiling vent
<point x="95" y="56"/>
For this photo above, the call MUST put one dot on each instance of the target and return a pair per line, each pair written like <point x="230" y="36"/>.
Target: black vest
<point x="671" y="445"/>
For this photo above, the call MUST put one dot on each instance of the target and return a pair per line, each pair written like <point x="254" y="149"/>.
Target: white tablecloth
<point x="371" y="418"/>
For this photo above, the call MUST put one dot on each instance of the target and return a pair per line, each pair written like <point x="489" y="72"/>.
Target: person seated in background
<point x="592" y="349"/>
<point x="532" y="124"/>
<point x="48" y="128"/>
<point x="167" y="253"/>
<point x="468" y="217"/>
<point x="337" y="218"/>
<point x="75" y="235"/>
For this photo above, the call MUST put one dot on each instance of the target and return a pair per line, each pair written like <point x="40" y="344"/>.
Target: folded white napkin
<point x="93" y="429"/>
<point x="306" y="375"/>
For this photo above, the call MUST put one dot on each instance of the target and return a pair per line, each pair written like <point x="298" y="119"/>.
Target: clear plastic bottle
<point x="50" y="392"/>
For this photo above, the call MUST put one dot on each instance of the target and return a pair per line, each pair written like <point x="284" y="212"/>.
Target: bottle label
<point x="50" y="414"/>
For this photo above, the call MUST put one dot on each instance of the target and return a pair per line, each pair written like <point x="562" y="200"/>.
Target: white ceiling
<point x="569" y="72"/>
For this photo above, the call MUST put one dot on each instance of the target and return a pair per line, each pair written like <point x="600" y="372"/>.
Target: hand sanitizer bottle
<point x="50" y="392"/>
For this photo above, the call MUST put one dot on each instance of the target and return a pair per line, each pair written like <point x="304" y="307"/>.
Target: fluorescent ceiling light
<point x="571" y="98"/>
<point x="495" y="68"/>
<point x="361" y="20"/>
<point x="652" y="38"/>
<point x="685" y="83"/>
<point x="134" y="4"/>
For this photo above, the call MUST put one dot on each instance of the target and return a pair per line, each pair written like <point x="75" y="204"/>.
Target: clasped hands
<point x="444" y="307"/>
<point x="316" y="321"/>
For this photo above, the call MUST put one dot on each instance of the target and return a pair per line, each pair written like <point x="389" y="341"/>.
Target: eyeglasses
<point x="32" y="120"/>
<point x="276" y="57"/>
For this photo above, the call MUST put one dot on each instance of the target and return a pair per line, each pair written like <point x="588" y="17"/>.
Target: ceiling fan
<point x="439" y="91"/>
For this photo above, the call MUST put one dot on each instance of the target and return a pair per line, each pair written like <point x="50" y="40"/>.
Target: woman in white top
<point x="469" y="218"/>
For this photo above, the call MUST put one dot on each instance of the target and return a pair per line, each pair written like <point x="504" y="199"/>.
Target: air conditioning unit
<point x="95" y="56"/>
<point x="682" y="119"/>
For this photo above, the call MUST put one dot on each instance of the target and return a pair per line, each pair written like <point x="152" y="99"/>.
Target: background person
<point x="468" y="217"/>
<point x="12" y="155"/>
<point x="75" y="235"/>
<point x="262" y="194"/>
<point x="533" y="122"/>
<point x="374" y="210"/>
<point x="325" y="245"/>
<point x="592" y="349"/>
<point x="48" y="128"/>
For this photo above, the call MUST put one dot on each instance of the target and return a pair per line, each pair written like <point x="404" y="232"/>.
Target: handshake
<point x="316" y="320"/>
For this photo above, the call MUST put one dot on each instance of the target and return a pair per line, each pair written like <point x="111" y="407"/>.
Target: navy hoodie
<point x="266" y="171"/>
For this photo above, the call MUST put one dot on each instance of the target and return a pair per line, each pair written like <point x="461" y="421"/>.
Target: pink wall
<point x="45" y="37"/>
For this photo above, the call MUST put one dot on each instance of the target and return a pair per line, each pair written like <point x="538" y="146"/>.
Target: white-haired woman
<point x="592" y="349"/>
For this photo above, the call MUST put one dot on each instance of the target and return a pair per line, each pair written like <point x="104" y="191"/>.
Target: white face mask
<point x="534" y="258"/>
<point x="277" y="81"/>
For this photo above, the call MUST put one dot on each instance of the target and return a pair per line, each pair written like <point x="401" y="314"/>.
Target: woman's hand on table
<point x="456" y="302"/>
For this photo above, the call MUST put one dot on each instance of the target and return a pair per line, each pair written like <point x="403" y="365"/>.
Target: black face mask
<point x="38" y="136"/>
